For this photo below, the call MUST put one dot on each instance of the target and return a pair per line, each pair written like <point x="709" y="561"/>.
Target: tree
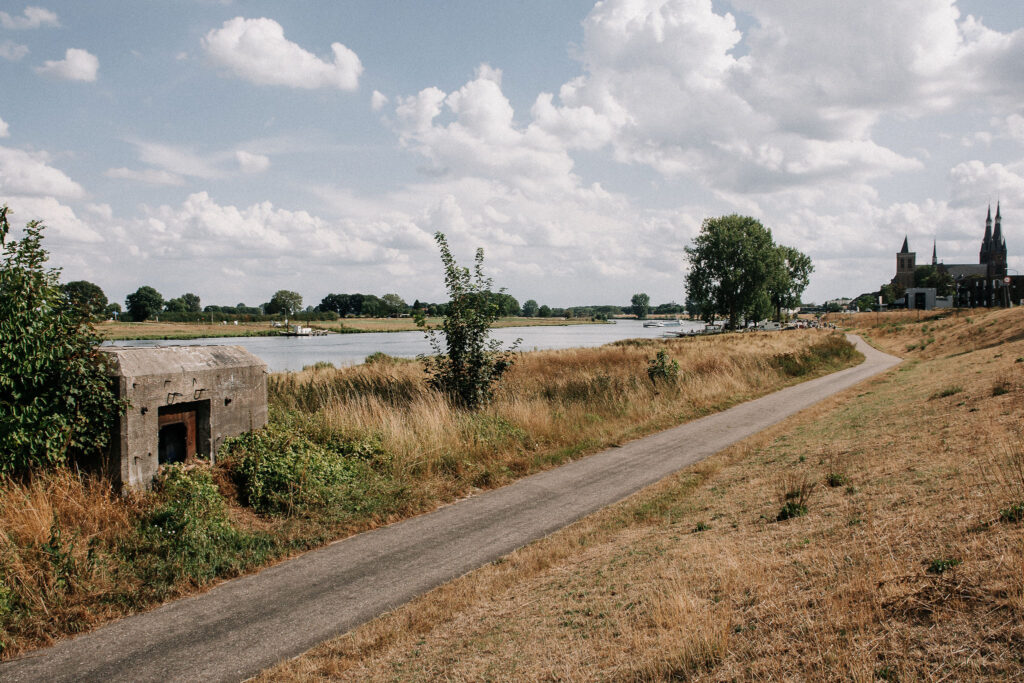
<point x="191" y="302"/>
<point x="394" y="304"/>
<point x="930" y="276"/>
<point x="175" y="305"/>
<point x="145" y="302"/>
<point x="788" y="277"/>
<point x="113" y="310"/>
<point x="339" y="303"/>
<point x="641" y="303"/>
<point x="55" y="397"/>
<point x="530" y="308"/>
<point x="729" y="263"/>
<point x="285" y="302"/>
<point x="86" y="296"/>
<point x="544" y="311"/>
<point x="466" y="366"/>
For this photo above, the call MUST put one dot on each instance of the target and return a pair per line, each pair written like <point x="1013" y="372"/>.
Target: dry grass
<point x="908" y="571"/>
<point x="552" y="405"/>
<point x="67" y="545"/>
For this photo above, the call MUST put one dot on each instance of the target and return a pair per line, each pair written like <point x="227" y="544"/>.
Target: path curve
<point x="245" y="625"/>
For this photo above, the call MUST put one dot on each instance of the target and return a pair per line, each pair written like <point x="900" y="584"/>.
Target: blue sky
<point x="232" y="149"/>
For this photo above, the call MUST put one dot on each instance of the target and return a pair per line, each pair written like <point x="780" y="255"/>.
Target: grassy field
<point x="169" y="330"/>
<point x="907" y="565"/>
<point x="347" y="450"/>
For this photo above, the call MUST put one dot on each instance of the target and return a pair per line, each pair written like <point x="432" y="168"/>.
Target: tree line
<point x="146" y="303"/>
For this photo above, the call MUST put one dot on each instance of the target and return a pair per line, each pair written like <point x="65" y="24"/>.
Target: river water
<point x="293" y="353"/>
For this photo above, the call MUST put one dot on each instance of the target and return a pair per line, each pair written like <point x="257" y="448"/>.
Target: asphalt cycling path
<point x="247" y="624"/>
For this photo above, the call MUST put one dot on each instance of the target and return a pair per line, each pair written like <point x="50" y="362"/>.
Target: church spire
<point x="935" y="260"/>
<point x="906" y="247"/>
<point x="986" y="244"/>
<point x="997" y="236"/>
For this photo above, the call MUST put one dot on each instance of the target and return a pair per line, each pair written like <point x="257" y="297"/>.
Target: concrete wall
<point x="226" y="385"/>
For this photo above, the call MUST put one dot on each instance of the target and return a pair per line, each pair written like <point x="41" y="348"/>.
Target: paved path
<point x="244" y="625"/>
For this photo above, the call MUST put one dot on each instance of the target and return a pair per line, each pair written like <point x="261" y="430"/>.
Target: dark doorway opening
<point x="184" y="431"/>
<point x="920" y="301"/>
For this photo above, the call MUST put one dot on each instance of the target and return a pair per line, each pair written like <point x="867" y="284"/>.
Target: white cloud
<point x="378" y="100"/>
<point x="149" y="176"/>
<point x="974" y="183"/>
<point x="256" y="50"/>
<point x="58" y="217"/>
<point x="252" y="163"/>
<point x="24" y="173"/>
<point x="31" y="17"/>
<point x="77" y="65"/>
<point x="5" y="130"/>
<point x="12" y="51"/>
<point x="178" y="160"/>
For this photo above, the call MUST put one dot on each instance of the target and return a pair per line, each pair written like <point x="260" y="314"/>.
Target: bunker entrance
<point x="184" y="431"/>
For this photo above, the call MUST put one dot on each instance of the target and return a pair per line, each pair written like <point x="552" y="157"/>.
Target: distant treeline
<point x="146" y="303"/>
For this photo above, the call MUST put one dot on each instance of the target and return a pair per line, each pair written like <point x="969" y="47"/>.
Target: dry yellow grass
<point x="65" y="544"/>
<point x="904" y="571"/>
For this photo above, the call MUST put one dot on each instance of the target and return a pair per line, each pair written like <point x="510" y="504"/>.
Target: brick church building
<point x="977" y="284"/>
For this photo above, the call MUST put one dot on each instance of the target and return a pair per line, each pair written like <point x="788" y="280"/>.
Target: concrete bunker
<point x="184" y="401"/>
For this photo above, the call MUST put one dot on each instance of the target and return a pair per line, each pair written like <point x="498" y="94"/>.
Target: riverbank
<point x="907" y="562"/>
<point x="155" y="330"/>
<point x="351" y="449"/>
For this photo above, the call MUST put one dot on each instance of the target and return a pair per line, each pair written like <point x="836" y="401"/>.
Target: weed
<point x="701" y="526"/>
<point x="942" y="565"/>
<point x="795" y="494"/>
<point x="1014" y="513"/>
<point x="1001" y="386"/>
<point x="836" y="479"/>
<point x="948" y="391"/>
<point x="319" y="365"/>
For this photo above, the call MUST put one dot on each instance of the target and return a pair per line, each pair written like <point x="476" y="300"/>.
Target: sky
<point x="232" y="149"/>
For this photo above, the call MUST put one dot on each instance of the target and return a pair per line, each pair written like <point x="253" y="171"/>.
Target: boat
<point x="654" y="323"/>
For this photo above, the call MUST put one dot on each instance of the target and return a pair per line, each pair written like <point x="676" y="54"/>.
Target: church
<point x="985" y="283"/>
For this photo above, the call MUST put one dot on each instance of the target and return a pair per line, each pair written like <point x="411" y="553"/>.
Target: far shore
<point x="117" y="331"/>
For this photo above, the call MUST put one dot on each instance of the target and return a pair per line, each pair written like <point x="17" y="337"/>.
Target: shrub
<point x="1014" y="513"/>
<point x="466" y="366"/>
<point x="55" y="397"/>
<point x="836" y="479"/>
<point x="188" y="534"/>
<point x="661" y="368"/>
<point x="1001" y="387"/>
<point x="796" y="492"/>
<point x="281" y="471"/>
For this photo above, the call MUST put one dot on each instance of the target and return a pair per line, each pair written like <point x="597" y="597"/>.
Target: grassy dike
<point x="347" y="450"/>
<point x="907" y="565"/>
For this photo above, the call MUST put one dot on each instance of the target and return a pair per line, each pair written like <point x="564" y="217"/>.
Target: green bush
<point x="660" y="368"/>
<point x="55" y="397"/>
<point x="188" y="534"/>
<point x="282" y="471"/>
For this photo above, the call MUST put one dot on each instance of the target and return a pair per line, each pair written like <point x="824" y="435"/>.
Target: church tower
<point x="986" y="244"/>
<point x="998" y="253"/>
<point x="906" y="261"/>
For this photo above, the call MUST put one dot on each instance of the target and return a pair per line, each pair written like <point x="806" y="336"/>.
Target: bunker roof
<point x="139" y="361"/>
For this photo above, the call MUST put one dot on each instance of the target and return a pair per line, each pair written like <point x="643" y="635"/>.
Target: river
<point x="293" y="353"/>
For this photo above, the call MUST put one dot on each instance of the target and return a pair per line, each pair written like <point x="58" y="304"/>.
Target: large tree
<point x="730" y="261"/>
<point x="530" y="308"/>
<point x="145" y="302"/>
<point x="88" y="297"/>
<point x="55" y="397"/>
<point x="640" y="304"/>
<point x="787" y="279"/>
<point x="286" y="302"/>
